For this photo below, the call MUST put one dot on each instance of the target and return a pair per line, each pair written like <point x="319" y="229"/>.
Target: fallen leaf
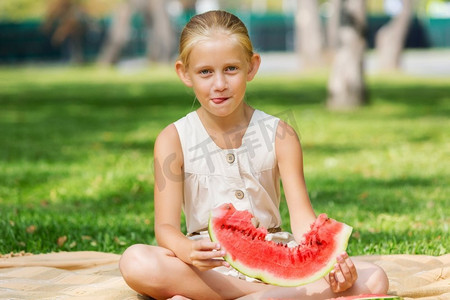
<point x="118" y="241"/>
<point x="356" y="235"/>
<point x="62" y="240"/>
<point x="86" y="237"/>
<point x="31" y="228"/>
<point x="363" y="195"/>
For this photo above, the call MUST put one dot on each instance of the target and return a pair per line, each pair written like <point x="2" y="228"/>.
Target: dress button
<point x="239" y="194"/>
<point x="230" y="158"/>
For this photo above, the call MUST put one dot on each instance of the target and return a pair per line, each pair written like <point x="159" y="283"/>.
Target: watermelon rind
<point x="379" y="298"/>
<point x="369" y="297"/>
<point x="266" y="277"/>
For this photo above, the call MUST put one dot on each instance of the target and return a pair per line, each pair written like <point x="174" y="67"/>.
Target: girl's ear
<point x="182" y="72"/>
<point x="255" y="62"/>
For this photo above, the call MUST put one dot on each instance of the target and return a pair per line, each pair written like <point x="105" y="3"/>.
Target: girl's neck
<point x="229" y="129"/>
<point x="237" y="119"/>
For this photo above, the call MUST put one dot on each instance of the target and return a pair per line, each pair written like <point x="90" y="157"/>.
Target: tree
<point x="161" y="42"/>
<point x="333" y="25"/>
<point x="67" y="20"/>
<point x="161" y="38"/>
<point x="118" y="34"/>
<point x="309" y="34"/>
<point x="390" y="39"/>
<point x="346" y="85"/>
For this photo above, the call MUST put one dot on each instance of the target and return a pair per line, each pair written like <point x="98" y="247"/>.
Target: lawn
<point x="76" y="170"/>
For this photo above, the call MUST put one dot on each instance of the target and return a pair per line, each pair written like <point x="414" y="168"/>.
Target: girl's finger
<point x="209" y="264"/>
<point x="340" y="278"/>
<point x="206" y="245"/>
<point x="207" y="255"/>
<point x="333" y="282"/>
<point x="351" y="266"/>
<point x="345" y="269"/>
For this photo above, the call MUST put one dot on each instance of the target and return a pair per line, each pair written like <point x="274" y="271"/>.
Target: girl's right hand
<point x="206" y="255"/>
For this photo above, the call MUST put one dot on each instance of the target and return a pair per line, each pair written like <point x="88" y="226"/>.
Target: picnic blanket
<point x="95" y="275"/>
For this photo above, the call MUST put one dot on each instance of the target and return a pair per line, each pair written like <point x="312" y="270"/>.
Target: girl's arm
<point x="168" y="164"/>
<point x="290" y="163"/>
<point x="168" y="192"/>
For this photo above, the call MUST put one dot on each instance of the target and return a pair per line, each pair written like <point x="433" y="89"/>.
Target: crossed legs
<point x="157" y="272"/>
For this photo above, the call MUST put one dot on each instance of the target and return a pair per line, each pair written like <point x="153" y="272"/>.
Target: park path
<point x="430" y="63"/>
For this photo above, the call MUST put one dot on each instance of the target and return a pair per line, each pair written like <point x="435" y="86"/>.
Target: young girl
<point x="227" y="151"/>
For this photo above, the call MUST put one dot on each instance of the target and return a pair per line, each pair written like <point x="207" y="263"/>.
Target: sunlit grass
<point x="76" y="155"/>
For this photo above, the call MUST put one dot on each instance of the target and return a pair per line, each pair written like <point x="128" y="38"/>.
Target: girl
<point x="226" y="151"/>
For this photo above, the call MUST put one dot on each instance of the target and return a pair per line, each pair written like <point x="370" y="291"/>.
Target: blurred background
<point x="110" y="31"/>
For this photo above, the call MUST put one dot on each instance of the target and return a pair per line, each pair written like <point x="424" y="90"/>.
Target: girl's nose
<point x="220" y="82"/>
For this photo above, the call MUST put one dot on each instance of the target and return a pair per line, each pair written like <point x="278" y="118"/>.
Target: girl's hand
<point x="344" y="274"/>
<point x="206" y="255"/>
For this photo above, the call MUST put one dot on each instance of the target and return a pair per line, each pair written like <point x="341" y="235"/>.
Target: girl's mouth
<point x="219" y="100"/>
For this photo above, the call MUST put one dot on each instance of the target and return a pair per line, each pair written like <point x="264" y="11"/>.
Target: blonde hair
<point x="203" y="26"/>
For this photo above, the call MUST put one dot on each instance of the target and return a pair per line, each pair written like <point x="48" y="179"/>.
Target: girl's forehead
<point x="218" y="37"/>
<point x="217" y="46"/>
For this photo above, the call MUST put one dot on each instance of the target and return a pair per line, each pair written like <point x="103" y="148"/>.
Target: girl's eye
<point x="232" y="68"/>
<point x="205" y="72"/>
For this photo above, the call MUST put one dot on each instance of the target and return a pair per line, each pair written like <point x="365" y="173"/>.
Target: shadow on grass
<point x="107" y="221"/>
<point x="354" y="198"/>
<point x="328" y="149"/>
<point x="371" y="195"/>
<point x="287" y="95"/>
<point x="419" y="100"/>
<point x="39" y="123"/>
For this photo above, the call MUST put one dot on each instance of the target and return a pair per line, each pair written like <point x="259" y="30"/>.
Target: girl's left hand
<point x="344" y="274"/>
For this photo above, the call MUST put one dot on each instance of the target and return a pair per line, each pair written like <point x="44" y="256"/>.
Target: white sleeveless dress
<point x="248" y="176"/>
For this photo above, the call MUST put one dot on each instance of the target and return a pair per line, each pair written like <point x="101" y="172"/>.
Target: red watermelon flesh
<point x="249" y="252"/>
<point x="367" y="297"/>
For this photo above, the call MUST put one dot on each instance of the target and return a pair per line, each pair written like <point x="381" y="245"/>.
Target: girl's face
<point x="218" y="72"/>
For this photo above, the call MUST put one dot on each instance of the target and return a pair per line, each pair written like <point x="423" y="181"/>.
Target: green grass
<point x="76" y="155"/>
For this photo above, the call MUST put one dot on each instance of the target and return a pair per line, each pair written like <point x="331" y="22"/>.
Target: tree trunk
<point x="118" y="35"/>
<point x="67" y="21"/>
<point x="309" y="34"/>
<point x="346" y="85"/>
<point x="334" y="20"/>
<point x="390" y="39"/>
<point x="161" y="39"/>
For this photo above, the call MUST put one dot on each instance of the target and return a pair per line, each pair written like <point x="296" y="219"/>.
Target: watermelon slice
<point x="274" y="263"/>
<point x="368" y="296"/>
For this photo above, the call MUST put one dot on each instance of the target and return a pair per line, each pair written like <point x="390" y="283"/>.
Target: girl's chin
<point x="220" y="110"/>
